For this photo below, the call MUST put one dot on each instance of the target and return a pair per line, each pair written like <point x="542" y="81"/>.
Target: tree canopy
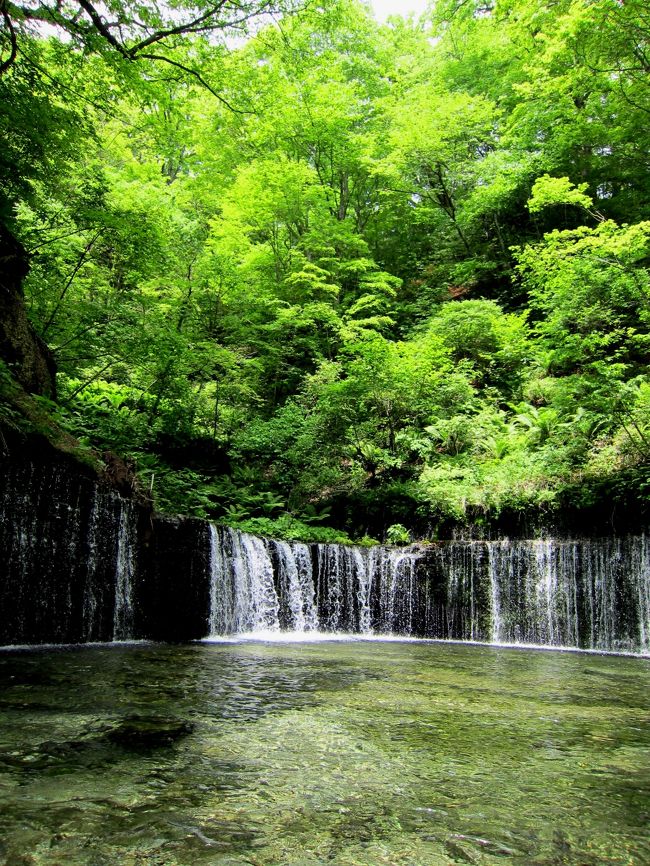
<point x="339" y="274"/>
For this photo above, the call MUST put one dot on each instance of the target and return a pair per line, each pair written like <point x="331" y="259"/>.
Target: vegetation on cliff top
<point x="343" y="274"/>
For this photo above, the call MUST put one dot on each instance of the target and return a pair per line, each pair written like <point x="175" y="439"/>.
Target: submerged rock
<point x="149" y="732"/>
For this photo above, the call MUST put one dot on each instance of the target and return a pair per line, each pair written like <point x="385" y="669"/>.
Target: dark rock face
<point x="79" y="562"/>
<point x="173" y="590"/>
<point x="28" y="357"/>
<point x="65" y="543"/>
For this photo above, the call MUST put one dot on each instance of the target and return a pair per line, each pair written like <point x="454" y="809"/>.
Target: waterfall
<point x="80" y="563"/>
<point x="243" y="597"/>
<point x="641" y="567"/>
<point x="295" y="585"/>
<point x="262" y="584"/>
<point x="392" y="571"/>
<point x="534" y="592"/>
<point x="124" y="573"/>
<point x="343" y="588"/>
<point x="91" y="607"/>
<point x="68" y="553"/>
<point x="589" y="593"/>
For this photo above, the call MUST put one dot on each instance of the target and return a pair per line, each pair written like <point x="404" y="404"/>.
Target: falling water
<point x="343" y="588"/>
<point x="90" y="605"/>
<point x="295" y="585"/>
<point x="124" y="573"/>
<point x="242" y="591"/>
<point x="391" y="574"/>
<point x="304" y="588"/>
<point x="80" y="564"/>
<point x="581" y="593"/>
<point x="68" y="552"/>
<point x="641" y="565"/>
<point x="591" y="593"/>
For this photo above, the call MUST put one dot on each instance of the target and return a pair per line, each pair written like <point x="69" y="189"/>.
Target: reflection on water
<point x="344" y="753"/>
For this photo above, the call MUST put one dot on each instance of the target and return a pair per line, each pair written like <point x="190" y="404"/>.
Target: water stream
<point x="347" y="753"/>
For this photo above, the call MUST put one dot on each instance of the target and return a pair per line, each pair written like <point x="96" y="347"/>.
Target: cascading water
<point x="582" y="593"/>
<point x="343" y="589"/>
<point x="295" y="585"/>
<point x="305" y="588"/>
<point x="590" y="593"/>
<point x="68" y="549"/>
<point x="242" y="591"/>
<point x="262" y="584"/>
<point x="534" y="587"/>
<point x="390" y="578"/>
<point x="124" y="574"/>
<point x="81" y="563"/>
<point x="577" y="593"/>
<point x="90" y="607"/>
<point x="641" y="565"/>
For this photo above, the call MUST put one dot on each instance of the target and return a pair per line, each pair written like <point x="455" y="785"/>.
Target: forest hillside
<point x="322" y="278"/>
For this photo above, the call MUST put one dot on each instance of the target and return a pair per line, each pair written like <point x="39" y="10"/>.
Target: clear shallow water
<point x="352" y="754"/>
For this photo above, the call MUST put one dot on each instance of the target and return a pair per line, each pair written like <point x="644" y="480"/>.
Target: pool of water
<point x="347" y="753"/>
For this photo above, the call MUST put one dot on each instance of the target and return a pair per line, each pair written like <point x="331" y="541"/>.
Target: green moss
<point x="25" y="416"/>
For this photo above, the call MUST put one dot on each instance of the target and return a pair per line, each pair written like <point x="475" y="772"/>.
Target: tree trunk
<point x="27" y="356"/>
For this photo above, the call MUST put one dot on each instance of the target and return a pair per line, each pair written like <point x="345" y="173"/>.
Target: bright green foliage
<point x="374" y="278"/>
<point x="548" y="191"/>
<point x="495" y="343"/>
<point x="593" y="294"/>
<point x="397" y="534"/>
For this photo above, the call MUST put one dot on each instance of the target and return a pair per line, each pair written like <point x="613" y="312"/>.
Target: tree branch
<point x="189" y="71"/>
<point x="102" y="28"/>
<point x="69" y="282"/>
<point x="190" y="27"/>
<point x="85" y="384"/>
<point x="6" y="64"/>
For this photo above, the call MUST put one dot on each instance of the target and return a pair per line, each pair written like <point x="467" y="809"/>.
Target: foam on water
<point x="281" y="637"/>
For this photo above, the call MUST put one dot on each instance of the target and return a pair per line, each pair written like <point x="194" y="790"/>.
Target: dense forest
<point x="322" y="278"/>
